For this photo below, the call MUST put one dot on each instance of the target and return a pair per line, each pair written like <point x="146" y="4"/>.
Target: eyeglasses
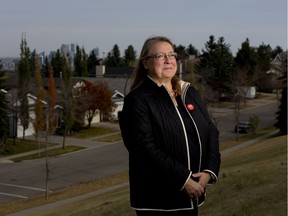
<point x="162" y="56"/>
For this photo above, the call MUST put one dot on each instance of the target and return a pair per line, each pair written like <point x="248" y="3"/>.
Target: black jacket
<point x="159" y="156"/>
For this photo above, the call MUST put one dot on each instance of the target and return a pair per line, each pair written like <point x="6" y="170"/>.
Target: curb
<point x="249" y="142"/>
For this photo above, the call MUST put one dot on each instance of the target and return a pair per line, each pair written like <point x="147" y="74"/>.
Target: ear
<point x="145" y="64"/>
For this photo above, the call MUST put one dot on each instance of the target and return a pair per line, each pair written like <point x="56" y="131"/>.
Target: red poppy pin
<point x="190" y="106"/>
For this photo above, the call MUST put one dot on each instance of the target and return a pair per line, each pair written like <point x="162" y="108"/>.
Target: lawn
<point x="21" y="146"/>
<point x="93" y="131"/>
<point x="50" y="153"/>
<point x="252" y="182"/>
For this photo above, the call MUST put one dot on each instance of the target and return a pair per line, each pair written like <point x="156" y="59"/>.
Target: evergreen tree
<point x="246" y="59"/>
<point x="78" y="62"/>
<point x="263" y="57"/>
<point x="276" y="51"/>
<point x="282" y="113"/>
<point x="216" y="65"/>
<point x="32" y="60"/>
<point x="92" y="61"/>
<point x="129" y="56"/>
<point x="57" y="63"/>
<point x="262" y="79"/>
<point x="281" y="119"/>
<point x="84" y="68"/>
<point x="114" y="57"/>
<point x="181" y="52"/>
<point x="191" y="50"/>
<point x="109" y="60"/>
<point x="45" y="68"/>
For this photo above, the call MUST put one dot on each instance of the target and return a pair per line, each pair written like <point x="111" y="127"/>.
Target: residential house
<point x="117" y="79"/>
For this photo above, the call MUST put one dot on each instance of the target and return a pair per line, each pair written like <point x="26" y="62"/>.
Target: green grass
<point x="92" y="132"/>
<point x="51" y="153"/>
<point x="246" y="137"/>
<point x="252" y="182"/>
<point x="111" y="138"/>
<point x="21" y="146"/>
<point x="73" y="191"/>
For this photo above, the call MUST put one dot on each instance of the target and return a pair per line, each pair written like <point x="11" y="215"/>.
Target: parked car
<point x="243" y="127"/>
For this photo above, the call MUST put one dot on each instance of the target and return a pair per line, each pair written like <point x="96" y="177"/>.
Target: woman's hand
<point x="193" y="189"/>
<point x="203" y="178"/>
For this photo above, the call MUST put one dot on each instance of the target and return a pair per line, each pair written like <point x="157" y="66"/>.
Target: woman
<point x="172" y="143"/>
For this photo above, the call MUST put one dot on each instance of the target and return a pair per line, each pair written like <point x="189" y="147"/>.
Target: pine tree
<point x="282" y="110"/>
<point x="217" y="64"/>
<point x="57" y="64"/>
<point x="92" y="61"/>
<point x="129" y="56"/>
<point x="113" y="58"/>
<point x="246" y="59"/>
<point x="78" y="62"/>
<point x="45" y="68"/>
<point x="84" y="68"/>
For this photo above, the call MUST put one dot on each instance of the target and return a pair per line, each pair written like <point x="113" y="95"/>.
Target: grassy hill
<point x="252" y="182"/>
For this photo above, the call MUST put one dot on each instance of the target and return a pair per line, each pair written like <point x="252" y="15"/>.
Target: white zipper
<point x="183" y="95"/>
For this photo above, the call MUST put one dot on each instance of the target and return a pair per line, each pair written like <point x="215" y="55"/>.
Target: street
<point x="265" y="112"/>
<point x="26" y="179"/>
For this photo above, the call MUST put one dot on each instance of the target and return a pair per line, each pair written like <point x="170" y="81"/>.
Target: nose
<point x="167" y="58"/>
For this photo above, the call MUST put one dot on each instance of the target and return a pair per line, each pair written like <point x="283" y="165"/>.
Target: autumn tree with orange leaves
<point x="93" y="99"/>
<point x="40" y="117"/>
<point x="52" y="98"/>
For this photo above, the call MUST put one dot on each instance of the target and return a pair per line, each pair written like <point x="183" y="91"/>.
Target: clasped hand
<point x="196" y="185"/>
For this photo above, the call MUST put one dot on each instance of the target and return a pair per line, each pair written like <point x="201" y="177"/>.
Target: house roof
<point x="117" y="79"/>
<point x="118" y="71"/>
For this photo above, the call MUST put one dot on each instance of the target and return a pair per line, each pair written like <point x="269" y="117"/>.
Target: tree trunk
<point x="47" y="167"/>
<point x="64" y="138"/>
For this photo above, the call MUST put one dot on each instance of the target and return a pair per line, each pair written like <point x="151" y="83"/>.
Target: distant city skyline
<point x="102" y="24"/>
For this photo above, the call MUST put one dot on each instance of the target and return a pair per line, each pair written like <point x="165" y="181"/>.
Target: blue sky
<point x="104" y="23"/>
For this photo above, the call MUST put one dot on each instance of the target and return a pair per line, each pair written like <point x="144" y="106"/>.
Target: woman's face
<point x="161" y="62"/>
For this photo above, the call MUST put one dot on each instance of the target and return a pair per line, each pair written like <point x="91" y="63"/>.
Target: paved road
<point x="25" y="179"/>
<point x="265" y="112"/>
